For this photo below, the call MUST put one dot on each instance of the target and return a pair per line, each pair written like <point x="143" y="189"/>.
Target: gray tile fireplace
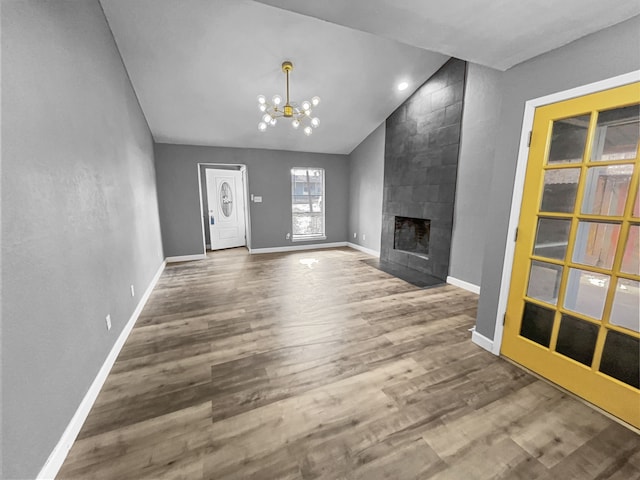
<point x="420" y="170"/>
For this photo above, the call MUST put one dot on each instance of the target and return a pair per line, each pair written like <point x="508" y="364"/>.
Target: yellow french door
<point x="573" y="312"/>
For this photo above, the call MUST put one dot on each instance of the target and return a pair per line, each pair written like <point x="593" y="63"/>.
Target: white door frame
<point x="518" y="186"/>
<point x="245" y="192"/>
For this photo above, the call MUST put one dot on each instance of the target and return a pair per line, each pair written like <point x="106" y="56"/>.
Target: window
<point x="307" y="203"/>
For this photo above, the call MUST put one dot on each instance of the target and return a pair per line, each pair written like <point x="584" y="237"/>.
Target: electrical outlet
<point x="133" y="291"/>
<point x="108" y="320"/>
<point x="288" y="236"/>
<point x="355" y="235"/>
<point x="363" y="237"/>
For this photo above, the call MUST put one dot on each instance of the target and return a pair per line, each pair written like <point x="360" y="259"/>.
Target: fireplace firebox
<point x="412" y="235"/>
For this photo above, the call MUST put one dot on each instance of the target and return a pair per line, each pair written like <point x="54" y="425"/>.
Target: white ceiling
<point x="197" y="66"/>
<point x="495" y="33"/>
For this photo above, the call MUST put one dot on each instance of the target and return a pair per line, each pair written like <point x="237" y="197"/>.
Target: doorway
<point x="573" y="305"/>
<point x="223" y="203"/>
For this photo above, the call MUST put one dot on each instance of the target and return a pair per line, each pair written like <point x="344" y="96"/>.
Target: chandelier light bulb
<point x="273" y="122"/>
<point x="306" y="105"/>
<point x="307" y="112"/>
<point x="315" y="101"/>
<point x="277" y="99"/>
<point x="315" y="121"/>
<point x="267" y="118"/>
<point x="261" y="99"/>
<point x="263" y="107"/>
<point x="308" y="131"/>
<point x="295" y="123"/>
<point x="262" y="126"/>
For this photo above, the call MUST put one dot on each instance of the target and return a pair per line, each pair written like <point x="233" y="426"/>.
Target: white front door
<point x="225" y="196"/>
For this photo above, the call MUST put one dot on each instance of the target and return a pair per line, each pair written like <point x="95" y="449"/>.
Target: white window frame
<point x="318" y="236"/>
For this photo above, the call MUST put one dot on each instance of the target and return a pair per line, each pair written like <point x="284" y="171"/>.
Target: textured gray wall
<point x="269" y="176"/>
<point x="79" y="216"/>
<point x="604" y="54"/>
<point x="482" y="101"/>
<point x="420" y="167"/>
<point x="366" y="176"/>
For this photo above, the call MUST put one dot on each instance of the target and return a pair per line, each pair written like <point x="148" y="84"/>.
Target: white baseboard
<point x="482" y="341"/>
<point x="462" y="284"/>
<point x="291" y="248"/>
<point x="59" y="453"/>
<point x="369" y="251"/>
<point x="186" y="258"/>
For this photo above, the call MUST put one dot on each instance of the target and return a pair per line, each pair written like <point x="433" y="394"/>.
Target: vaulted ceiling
<point x="198" y="66"/>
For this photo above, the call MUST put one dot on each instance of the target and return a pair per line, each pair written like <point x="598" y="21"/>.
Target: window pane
<point x="560" y="187"/>
<point x="625" y="311"/>
<point x="316" y="203"/>
<point x="552" y="238"/>
<point x="308" y="224"/>
<point x="596" y="244"/>
<point x="307" y="202"/>
<point x="537" y="323"/>
<point x="586" y="292"/>
<point x="617" y="134"/>
<point x="577" y="339"/>
<point x="631" y="252"/>
<point x="544" y="281"/>
<point x="636" y="206"/>
<point x="606" y="190"/>
<point x="620" y="358"/>
<point x="568" y="139"/>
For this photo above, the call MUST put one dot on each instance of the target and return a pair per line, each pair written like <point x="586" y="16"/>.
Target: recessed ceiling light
<point x="402" y="86"/>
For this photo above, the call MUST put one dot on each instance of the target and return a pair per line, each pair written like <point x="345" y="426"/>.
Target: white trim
<point x="369" y="251"/>
<point x="482" y="341"/>
<point x="314" y="246"/>
<point x="186" y="258"/>
<point x="471" y="287"/>
<point x="518" y="183"/>
<point x="60" y="451"/>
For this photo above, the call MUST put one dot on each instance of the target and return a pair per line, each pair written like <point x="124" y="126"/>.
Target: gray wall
<point x="269" y="175"/>
<point x="366" y="176"/>
<point x="482" y="102"/>
<point x="604" y="54"/>
<point x="79" y="216"/>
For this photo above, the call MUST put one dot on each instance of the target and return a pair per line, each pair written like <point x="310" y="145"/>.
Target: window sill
<point x="308" y="238"/>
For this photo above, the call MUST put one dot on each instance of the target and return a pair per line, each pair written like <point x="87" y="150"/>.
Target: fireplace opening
<point x="412" y="235"/>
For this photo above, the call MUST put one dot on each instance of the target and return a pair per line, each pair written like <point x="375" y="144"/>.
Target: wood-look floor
<point x="316" y="365"/>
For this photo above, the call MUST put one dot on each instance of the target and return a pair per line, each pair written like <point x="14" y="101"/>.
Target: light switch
<point x="257" y="199"/>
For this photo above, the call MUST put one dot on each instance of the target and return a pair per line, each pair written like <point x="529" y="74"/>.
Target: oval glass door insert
<point x="226" y="199"/>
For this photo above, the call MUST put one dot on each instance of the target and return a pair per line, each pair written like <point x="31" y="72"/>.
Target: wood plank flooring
<point x="314" y="365"/>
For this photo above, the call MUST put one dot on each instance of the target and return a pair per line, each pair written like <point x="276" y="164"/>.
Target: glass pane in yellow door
<point x="586" y="292"/>
<point x="560" y="188"/>
<point x="617" y="134"/>
<point x="537" y="323"/>
<point x="577" y="339"/>
<point x="544" y="281"/>
<point x="595" y="244"/>
<point x="606" y="190"/>
<point x="630" y="262"/>
<point x="568" y="139"/>
<point x="625" y="311"/>
<point x="552" y="237"/>
<point x="620" y="358"/>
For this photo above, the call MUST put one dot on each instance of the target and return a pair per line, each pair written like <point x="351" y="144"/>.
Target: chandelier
<point x="300" y="115"/>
